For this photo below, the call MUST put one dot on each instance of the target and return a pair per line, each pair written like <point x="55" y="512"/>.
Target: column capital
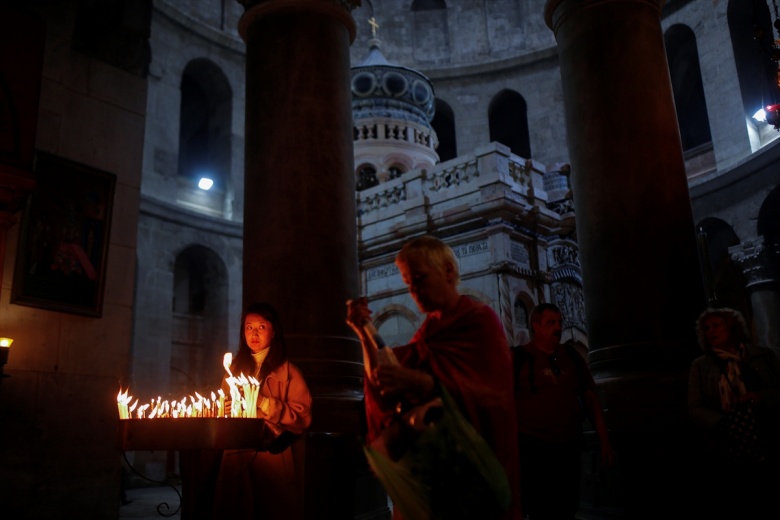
<point x="557" y="11"/>
<point x="340" y="9"/>
<point x="759" y="260"/>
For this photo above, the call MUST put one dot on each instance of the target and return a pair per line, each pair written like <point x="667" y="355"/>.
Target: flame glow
<point x="242" y="402"/>
<point x="227" y="360"/>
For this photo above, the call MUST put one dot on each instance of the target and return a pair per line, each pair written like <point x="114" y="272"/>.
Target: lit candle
<point x="221" y="406"/>
<point x="227" y="359"/>
<point x="252" y="391"/>
<point x="247" y="398"/>
<point x="235" y="397"/>
<point x="243" y="394"/>
<point x="121" y="401"/>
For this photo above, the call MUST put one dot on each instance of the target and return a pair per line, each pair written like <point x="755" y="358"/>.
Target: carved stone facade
<point x="759" y="260"/>
<point x="512" y="247"/>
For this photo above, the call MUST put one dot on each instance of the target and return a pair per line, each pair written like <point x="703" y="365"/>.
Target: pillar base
<point x="338" y="480"/>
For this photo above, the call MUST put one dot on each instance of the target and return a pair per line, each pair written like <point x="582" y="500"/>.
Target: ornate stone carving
<point x="564" y="263"/>
<point x="569" y="298"/>
<point x="562" y="206"/>
<point x="564" y="254"/>
<point x="520" y="173"/>
<point x="455" y="176"/>
<point x="508" y="266"/>
<point x="383" y="199"/>
<point x="759" y="260"/>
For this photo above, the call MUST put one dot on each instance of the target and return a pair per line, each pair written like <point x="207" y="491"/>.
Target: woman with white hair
<point x="460" y="349"/>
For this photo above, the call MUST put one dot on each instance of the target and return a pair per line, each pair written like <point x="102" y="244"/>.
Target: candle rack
<point x="193" y="433"/>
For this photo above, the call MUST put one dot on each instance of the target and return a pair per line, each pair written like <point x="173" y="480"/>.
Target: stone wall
<point x="58" y="407"/>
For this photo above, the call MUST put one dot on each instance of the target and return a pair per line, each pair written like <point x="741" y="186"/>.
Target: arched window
<point x="199" y="335"/>
<point x="443" y="124"/>
<point x="683" y="58"/>
<point x="755" y="68"/>
<point x="521" y="314"/>
<point x="205" y="139"/>
<point x="366" y="177"/>
<point x="723" y="280"/>
<point x="768" y="224"/>
<point x="396" y="329"/>
<point x="508" y="120"/>
<point x="521" y="329"/>
<point x="396" y="171"/>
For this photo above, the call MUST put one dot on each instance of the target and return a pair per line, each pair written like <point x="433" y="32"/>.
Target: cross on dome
<point x="374" y="26"/>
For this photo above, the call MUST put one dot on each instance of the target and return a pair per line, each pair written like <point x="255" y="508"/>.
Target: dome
<point x="384" y="90"/>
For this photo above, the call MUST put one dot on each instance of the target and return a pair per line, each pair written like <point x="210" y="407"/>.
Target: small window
<point x="366" y="178"/>
<point x="521" y="314"/>
<point x="443" y="123"/>
<point x="396" y="171"/>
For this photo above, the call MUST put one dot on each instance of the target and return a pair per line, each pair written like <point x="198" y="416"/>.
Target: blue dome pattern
<point x="381" y="89"/>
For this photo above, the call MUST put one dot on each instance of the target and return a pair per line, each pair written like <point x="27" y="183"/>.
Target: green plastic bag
<point x="448" y="472"/>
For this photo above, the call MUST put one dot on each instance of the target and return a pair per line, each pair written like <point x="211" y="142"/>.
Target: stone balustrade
<point x="394" y="130"/>
<point x="490" y="185"/>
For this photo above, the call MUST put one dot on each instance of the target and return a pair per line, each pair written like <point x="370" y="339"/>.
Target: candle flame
<point x="244" y="391"/>
<point x="227" y="360"/>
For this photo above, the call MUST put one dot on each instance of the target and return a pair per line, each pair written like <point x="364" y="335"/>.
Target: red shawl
<point x="467" y="352"/>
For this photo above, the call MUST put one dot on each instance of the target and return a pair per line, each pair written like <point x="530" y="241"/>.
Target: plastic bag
<point x="447" y="472"/>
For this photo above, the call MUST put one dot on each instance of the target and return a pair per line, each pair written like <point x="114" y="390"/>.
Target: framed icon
<point x="63" y="242"/>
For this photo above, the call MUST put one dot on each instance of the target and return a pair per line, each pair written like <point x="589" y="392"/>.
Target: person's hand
<point x="394" y="381"/>
<point x="358" y="313"/>
<point x="750" y="397"/>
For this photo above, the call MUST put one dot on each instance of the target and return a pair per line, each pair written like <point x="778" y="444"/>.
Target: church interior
<point x="163" y="164"/>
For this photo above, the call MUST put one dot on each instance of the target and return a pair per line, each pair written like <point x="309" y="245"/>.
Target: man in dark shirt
<point x="554" y="389"/>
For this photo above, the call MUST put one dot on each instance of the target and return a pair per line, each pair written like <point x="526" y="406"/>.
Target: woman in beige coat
<point x="266" y="484"/>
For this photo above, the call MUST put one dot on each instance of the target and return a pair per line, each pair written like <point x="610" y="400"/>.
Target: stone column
<point x="635" y="229"/>
<point x="759" y="260"/>
<point x="300" y="245"/>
